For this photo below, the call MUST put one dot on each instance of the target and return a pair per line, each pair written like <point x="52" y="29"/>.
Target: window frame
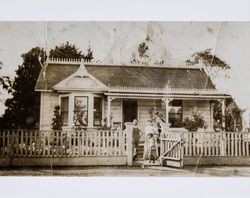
<point x="86" y="96"/>
<point x="61" y="112"/>
<point x="181" y="114"/>
<point x="101" y="110"/>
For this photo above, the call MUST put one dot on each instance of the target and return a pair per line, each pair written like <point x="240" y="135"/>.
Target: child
<point x="152" y="148"/>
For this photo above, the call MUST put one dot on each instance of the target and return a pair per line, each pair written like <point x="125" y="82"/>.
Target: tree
<point x="67" y="50"/>
<point x="211" y="61"/>
<point x="233" y="116"/>
<point x="89" y="55"/>
<point x="214" y="65"/>
<point x="24" y="106"/>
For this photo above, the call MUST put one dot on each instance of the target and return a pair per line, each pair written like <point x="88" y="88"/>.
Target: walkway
<point x="156" y="171"/>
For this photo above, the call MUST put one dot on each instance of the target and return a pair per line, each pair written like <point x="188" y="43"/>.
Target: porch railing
<point x="216" y="144"/>
<point x="21" y="143"/>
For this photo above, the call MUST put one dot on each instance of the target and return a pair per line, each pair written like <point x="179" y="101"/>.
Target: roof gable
<point x="80" y="80"/>
<point x="52" y="74"/>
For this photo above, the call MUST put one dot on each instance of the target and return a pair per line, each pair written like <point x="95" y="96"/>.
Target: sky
<point x="117" y="43"/>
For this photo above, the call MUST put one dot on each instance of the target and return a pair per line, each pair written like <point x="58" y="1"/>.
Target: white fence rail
<point x="21" y="143"/>
<point x="216" y="144"/>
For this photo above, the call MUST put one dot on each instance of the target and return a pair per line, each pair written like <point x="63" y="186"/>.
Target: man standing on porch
<point x="136" y="138"/>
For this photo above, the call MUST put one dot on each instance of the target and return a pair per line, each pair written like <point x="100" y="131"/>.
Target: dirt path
<point x="128" y="171"/>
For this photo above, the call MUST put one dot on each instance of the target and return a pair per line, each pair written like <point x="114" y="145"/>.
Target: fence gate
<point x="171" y="149"/>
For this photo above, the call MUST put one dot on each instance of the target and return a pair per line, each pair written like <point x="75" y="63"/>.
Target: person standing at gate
<point x="149" y="131"/>
<point x="136" y="138"/>
<point x="152" y="150"/>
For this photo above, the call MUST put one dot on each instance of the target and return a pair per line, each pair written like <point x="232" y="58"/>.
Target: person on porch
<point x="136" y="138"/>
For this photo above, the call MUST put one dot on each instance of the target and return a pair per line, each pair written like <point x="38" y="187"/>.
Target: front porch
<point x="122" y="108"/>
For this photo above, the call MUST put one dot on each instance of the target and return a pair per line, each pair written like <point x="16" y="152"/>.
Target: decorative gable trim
<point x="90" y="82"/>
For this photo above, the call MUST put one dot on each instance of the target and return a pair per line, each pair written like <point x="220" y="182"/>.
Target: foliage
<point x="233" y="116"/>
<point x="195" y="123"/>
<point x="142" y="52"/>
<point x="67" y="50"/>
<point x="24" y="106"/>
<point x="57" y="119"/>
<point x="208" y="59"/>
<point x="213" y="64"/>
<point x="89" y="55"/>
<point x="6" y="83"/>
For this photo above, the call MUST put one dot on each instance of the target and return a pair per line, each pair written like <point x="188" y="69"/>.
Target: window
<point x="65" y="110"/>
<point x="81" y="111"/>
<point x="175" y="113"/>
<point x="97" y="111"/>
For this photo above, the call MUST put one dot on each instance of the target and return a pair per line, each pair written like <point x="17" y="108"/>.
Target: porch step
<point x="140" y="151"/>
<point x="143" y="163"/>
<point x="172" y="162"/>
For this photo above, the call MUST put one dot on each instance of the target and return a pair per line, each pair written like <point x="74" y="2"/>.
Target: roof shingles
<point x="130" y="76"/>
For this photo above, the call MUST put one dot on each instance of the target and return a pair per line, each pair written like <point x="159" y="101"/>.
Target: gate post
<point x="129" y="131"/>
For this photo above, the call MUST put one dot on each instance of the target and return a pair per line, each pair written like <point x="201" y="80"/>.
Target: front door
<point x="129" y="111"/>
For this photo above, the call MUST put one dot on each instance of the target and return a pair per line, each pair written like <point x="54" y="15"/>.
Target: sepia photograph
<point x="124" y="98"/>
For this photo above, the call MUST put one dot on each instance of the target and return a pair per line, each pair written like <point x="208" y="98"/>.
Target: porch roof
<point x="198" y="96"/>
<point x="132" y="76"/>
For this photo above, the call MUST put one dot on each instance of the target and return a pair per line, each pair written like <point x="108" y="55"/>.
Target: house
<point x="90" y="93"/>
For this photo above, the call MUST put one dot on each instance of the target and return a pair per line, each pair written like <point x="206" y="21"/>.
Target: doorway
<point x="129" y="110"/>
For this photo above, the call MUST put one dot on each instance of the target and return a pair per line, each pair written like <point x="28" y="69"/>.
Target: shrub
<point x="57" y="119"/>
<point x="195" y="123"/>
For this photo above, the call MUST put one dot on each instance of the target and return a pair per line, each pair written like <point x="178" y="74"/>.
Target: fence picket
<point x="240" y="144"/>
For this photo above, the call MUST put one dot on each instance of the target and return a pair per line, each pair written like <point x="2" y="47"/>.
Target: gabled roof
<point x="128" y="76"/>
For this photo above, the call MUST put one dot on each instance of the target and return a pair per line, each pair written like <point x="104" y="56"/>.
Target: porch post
<point x="167" y="100"/>
<point x="223" y="109"/>
<point x="211" y="116"/>
<point x="109" y="111"/>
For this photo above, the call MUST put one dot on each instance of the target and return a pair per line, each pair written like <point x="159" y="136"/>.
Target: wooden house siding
<point x="48" y="102"/>
<point x="116" y="110"/>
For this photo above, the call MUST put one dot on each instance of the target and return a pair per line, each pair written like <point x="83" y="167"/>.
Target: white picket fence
<point x="178" y="145"/>
<point x="22" y="143"/>
<point x="216" y="143"/>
